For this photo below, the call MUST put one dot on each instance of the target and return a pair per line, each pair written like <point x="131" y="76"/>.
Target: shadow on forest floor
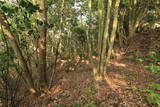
<point x="145" y="42"/>
<point x="122" y="86"/>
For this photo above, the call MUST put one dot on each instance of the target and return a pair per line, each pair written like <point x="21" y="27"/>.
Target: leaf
<point x="22" y="3"/>
<point x="148" y="91"/>
<point x="64" y="95"/>
<point x="39" y="22"/>
<point x="157" y="86"/>
<point x="29" y="6"/>
<point x="153" y="98"/>
<point x="154" y="68"/>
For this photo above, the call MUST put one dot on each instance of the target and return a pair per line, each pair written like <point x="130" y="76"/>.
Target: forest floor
<point x="123" y="85"/>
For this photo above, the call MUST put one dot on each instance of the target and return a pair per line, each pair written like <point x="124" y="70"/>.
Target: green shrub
<point x="137" y="57"/>
<point x="154" y="99"/>
<point x="88" y="92"/>
<point x="153" y="68"/>
<point x="153" y="96"/>
<point x="153" y="57"/>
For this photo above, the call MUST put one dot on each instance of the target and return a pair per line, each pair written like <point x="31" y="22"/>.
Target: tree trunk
<point x="17" y="50"/>
<point x="100" y="31"/>
<point x="114" y="28"/>
<point x="42" y="65"/>
<point x="104" y="40"/>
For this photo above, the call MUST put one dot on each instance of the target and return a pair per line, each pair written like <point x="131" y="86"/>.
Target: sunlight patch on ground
<point x="118" y="64"/>
<point x="56" y="89"/>
<point x="119" y="54"/>
<point x="115" y="83"/>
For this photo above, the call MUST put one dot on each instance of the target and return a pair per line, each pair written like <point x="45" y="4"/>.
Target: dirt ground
<point x="122" y="86"/>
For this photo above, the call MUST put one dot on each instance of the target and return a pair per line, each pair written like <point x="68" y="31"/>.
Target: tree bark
<point x="42" y="65"/>
<point x="105" y="38"/>
<point x="17" y="50"/>
<point x="114" y="28"/>
<point x="100" y="32"/>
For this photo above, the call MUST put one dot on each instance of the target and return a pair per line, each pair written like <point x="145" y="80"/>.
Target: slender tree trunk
<point x="17" y="50"/>
<point x="114" y="28"/>
<point x="42" y="65"/>
<point x="100" y="31"/>
<point x="54" y="66"/>
<point x="89" y="38"/>
<point x="105" y="38"/>
<point x="136" y="15"/>
<point x="89" y="31"/>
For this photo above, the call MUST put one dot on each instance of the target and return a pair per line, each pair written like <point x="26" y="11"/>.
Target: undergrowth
<point x="153" y="59"/>
<point x="153" y="92"/>
<point x="153" y="96"/>
<point x="88" y="92"/>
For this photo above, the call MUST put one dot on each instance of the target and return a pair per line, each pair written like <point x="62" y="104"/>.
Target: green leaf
<point x="153" y="98"/>
<point x="39" y="22"/>
<point x="153" y="68"/>
<point x="148" y="91"/>
<point x="157" y="86"/>
<point x="29" y="6"/>
<point x="64" y="95"/>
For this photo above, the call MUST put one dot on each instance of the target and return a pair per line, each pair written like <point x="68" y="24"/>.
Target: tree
<point x="42" y="64"/>
<point x="16" y="48"/>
